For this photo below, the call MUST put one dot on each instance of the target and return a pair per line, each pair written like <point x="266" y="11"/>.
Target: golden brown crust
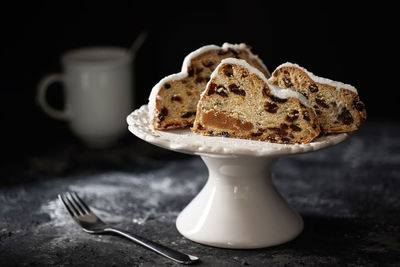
<point x="176" y="101"/>
<point x="337" y="110"/>
<point x="240" y="104"/>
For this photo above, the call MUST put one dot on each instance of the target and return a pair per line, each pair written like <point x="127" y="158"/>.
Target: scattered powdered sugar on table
<point x="119" y="197"/>
<point x="58" y="214"/>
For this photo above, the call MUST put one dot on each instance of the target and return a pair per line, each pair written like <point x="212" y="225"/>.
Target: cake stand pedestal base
<point x="239" y="207"/>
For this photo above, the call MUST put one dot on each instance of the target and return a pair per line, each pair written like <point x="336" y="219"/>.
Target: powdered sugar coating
<point x="275" y="90"/>
<point x="184" y="70"/>
<point x="243" y="46"/>
<point x="337" y="85"/>
<point x="195" y="53"/>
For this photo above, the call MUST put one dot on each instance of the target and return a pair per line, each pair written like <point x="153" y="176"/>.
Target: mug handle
<point x="41" y="96"/>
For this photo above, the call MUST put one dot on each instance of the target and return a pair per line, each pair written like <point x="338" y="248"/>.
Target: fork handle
<point x="160" y="249"/>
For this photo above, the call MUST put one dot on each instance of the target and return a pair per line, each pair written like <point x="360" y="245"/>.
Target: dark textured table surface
<point x="348" y="196"/>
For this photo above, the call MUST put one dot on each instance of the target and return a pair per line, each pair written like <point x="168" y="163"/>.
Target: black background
<point x="350" y="43"/>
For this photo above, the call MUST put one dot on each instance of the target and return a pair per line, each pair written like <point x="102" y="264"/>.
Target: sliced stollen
<point x="337" y="105"/>
<point x="173" y="101"/>
<point x="240" y="102"/>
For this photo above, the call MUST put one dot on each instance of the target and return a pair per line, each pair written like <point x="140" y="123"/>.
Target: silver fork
<point x="92" y="224"/>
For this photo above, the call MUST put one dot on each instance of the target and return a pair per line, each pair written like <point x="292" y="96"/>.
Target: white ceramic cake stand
<point x="239" y="206"/>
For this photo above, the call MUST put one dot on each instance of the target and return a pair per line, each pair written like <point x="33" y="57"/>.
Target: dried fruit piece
<point x="236" y="90"/>
<point x="321" y="102"/>
<point x="295" y="128"/>
<point x="359" y="105"/>
<point x="222" y="52"/>
<point x="256" y="134"/>
<point x="304" y="94"/>
<point x="265" y="92"/>
<point x="176" y="98"/>
<point x="188" y="114"/>
<point x="198" y="70"/>
<point x="313" y="88"/>
<point x="167" y="86"/>
<point x="287" y="82"/>
<point x="174" y="125"/>
<point x="234" y="52"/>
<point x="284" y="126"/>
<point x="277" y="99"/>
<point x="279" y="131"/>
<point x="222" y="91"/>
<point x="285" y="140"/>
<point x="293" y="116"/>
<point x="190" y="72"/>
<point x="306" y="115"/>
<point x="271" y="107"/>
<point x="225" y="134"/>
<point x="211" y="89"/>
<point x="163" y="113"/>
<point x="317" y="111"/>
<point x="346" y="117"/>
<point x="228" y="71"/>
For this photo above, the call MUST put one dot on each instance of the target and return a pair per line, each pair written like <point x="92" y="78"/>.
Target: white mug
<point x="98" y="93"/>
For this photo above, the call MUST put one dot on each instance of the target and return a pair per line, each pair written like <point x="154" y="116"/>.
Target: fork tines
<point x="74" y="204"/>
